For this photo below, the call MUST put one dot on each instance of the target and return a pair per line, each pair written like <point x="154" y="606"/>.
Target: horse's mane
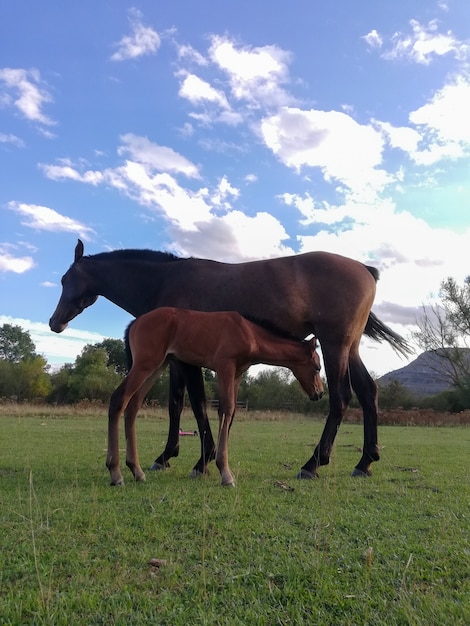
<point x="137" y="255"/>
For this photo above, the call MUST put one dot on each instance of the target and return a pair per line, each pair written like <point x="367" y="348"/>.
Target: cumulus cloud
<point x="233" y="237"/>
<point x="143" y="40"/>
<point x="11" y="139"/>
<point x="422" y="45"/>
<point x="44" y="218"/>
<point x="447" y="113"/>
<point x="59" y="348"/>
<point x="344" y="150"/>
<point x="27" y="93"/>
<point x="256" y="75"/>
<point x="15" y="264"/>
<point x="156" y="157"/>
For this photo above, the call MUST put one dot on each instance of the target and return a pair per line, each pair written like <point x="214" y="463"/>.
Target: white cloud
<point x="59" y="348"/>
<point x="256" y="74"/>
<point x="143" y="40"/>
<point x="25" y="91"/>
<point x="12" y="139"/>
<point x="407" y="139"/>
<point x="43" y="218"/>
<point x="344" y="150"/>
<point x="15" y="264"/>
<point x="373" y="39"/>
<point x="232" y="237"/>
<point x="223" y="192"/>
<point x="196" y="90"/>
<point x="447" y="113"/>
<point x="190" y="54"/>
<point x="425" y="43"/>
<point x="155" y="157"/>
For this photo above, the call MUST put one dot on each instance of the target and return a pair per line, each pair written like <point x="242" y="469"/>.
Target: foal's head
<point x="307" y="371"/>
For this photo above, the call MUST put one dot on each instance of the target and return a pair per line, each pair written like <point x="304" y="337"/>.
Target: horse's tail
<point x="127" y="346"/>
<point x="377" y="330"/>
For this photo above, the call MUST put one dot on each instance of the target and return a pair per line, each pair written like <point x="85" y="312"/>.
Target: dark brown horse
<point x="225" y="342"/>
<point x="321" y="293"/>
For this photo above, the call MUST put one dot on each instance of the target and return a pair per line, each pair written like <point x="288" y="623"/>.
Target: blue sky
<point x="232" y="131"/>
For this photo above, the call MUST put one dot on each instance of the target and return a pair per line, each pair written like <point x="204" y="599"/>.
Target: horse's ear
<point x="78" y="250"/>
<point x="313" y="343"/>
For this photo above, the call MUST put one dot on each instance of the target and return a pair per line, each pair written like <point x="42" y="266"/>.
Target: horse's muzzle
<point x="57" y="327"/>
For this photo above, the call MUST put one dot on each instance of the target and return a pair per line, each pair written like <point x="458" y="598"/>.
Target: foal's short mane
<point x="272" y="328"/>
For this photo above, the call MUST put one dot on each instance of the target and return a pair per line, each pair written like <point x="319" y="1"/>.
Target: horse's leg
<point x="175" y="408"/>
<point x="197" y="397"/>
<point x="366" y="391"/>
<point x="227" y="405"/>
<point x="339" y="391"/>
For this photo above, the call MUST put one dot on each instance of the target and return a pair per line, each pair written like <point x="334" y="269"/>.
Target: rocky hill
<point x="425" y="376"/>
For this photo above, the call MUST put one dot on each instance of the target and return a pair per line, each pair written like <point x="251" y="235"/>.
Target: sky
<point x="232" y="131"/>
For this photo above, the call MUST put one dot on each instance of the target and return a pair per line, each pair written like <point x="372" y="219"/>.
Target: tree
<point x="92" y="378"/>
<point x="115" y="351"/>
<point x="15" y="344"/>
<point x="23" y="373"/>
<point x="444" y="329"/>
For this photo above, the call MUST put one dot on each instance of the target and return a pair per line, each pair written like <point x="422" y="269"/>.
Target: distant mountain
<point x="425" y="376"/>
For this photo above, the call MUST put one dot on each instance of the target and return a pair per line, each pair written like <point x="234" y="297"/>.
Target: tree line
<point x="443" y="328"/>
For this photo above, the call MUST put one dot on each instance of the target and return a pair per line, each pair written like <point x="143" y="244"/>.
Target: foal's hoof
<point x="231" y="484"/>
<point x="117" y="483"/>
<point x="306" y="475"/>
<point x="361" y="473"/>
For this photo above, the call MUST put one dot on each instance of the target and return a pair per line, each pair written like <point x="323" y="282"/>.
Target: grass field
<point x="391" y="549"/>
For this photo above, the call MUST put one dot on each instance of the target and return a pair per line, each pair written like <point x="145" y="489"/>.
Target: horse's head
<point x="77" y="294"/>
<point x="308" y="371"/>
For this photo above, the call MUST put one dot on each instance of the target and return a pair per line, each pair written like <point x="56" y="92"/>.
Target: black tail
<point x="127" y="347"/>
<point x="377" y="330"/>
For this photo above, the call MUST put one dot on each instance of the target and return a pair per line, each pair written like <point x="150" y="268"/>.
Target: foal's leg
<point x="130" y="414"/>
<point x="339" y="390"/>
<point x="366" y="391"/>
<point x="227" y="404"/>
<point x="117" y="404"/>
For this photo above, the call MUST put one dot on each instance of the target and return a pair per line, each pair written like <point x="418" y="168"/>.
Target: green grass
<point x="392" y="549"/>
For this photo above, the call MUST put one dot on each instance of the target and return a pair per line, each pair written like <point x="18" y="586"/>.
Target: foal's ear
<point x="78" y="250"/>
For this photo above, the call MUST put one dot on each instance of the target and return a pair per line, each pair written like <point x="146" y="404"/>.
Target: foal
<point x="223" y="341"/>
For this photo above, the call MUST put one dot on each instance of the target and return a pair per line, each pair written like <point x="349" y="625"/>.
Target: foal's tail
<point x="127" y="347"/>
<point x="377" y="330"/>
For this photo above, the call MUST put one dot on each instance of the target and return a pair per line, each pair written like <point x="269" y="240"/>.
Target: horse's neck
<point x="121" y="282"/>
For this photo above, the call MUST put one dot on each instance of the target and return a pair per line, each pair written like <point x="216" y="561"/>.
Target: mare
<point x="223" y="341"/>
<point x="318" y="293"/>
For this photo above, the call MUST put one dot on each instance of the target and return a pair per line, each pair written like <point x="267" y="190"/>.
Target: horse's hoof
<point x="306" y="475"/>
<point x="196" y="473"/>
<point x="158" y="467"/>
<point x="361" y="473"/>
<point x="117" y="483"/>
<point x="231" y="484"/>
